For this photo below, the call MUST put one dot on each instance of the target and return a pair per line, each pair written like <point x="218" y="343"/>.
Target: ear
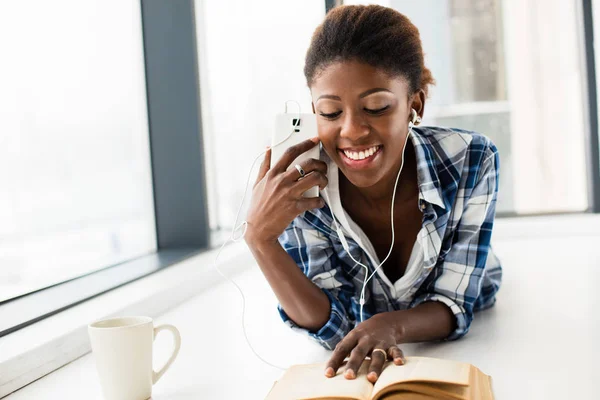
<point x="418" y="102"/>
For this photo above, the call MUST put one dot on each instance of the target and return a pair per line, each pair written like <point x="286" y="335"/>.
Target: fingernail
<point x="399" y="361"/>
<point x="315" y="139"/>
<point x="329" y="371"/>
<point x="350" y="373"/>
<point x="373" y="375"/>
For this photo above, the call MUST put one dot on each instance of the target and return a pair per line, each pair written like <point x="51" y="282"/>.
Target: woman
<point x="368" y="85"/>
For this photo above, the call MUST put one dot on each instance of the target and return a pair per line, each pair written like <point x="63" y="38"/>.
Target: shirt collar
<point x="427" y="176"/>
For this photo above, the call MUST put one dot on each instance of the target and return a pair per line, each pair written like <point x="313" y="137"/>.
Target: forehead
<point x="350" y="78"/>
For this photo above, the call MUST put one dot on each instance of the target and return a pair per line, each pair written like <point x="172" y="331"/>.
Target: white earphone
<point x="416" y="119"/>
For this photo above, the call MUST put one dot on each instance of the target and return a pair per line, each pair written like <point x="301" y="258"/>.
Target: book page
<point x="308" y="381"/>
<point x="407" y="395"/>
<point x="448" y="391"/>
<point x="422" y="369"/>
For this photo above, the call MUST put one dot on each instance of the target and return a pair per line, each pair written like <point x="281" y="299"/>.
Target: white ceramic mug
<point x="122" y="348"/>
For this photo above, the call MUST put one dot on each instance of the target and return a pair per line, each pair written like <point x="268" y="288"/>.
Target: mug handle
<point x="156" y="375"/>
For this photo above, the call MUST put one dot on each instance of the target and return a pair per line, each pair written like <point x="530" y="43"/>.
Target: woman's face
<point x="361" y="109"/>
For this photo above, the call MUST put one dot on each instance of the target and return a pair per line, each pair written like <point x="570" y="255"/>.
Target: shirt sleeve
<point x="308" y="244"/>
<point x="457" y="279"/>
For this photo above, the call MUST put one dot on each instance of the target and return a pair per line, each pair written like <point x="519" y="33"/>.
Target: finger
<point x="291" y="153"/>
<point x="340" y="352"/>
<point x="378" y="358"/>
<point x="357" y="357"/>
<point x="264" y="166"/>
<point x="316" y="178"/>
<point x="310" y="165"/>
<point x="309" y="203"/>
<point x="397" y="355"/>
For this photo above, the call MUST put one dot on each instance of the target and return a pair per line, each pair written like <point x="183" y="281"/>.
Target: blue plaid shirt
<point x="452" y="260"/>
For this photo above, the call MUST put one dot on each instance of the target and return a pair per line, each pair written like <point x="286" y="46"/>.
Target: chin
<point x="361" y="179"/>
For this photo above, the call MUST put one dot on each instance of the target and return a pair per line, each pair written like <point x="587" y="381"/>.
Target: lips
<point x="360" y="153"/>
<point x="370" y="158"/>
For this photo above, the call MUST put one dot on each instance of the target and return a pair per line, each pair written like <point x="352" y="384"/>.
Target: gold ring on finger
<point x="385" y="355"/>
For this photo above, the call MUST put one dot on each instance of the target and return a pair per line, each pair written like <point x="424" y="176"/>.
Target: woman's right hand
<point x="277" y="193"/>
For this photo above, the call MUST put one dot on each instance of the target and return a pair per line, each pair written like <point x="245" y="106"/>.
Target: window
<point x="503" y="69"/>
<point x="102" y="179"/>
<point x="251" y="62"/>
<point x="74" y="156"/>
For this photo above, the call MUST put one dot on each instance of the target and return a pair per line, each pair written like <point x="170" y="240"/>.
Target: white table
<point x="540" y="341"/>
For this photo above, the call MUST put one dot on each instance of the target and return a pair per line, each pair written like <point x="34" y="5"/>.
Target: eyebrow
<point x="363" y="94"/>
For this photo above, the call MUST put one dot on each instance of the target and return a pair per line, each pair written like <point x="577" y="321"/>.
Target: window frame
<point x="593" y="157"/>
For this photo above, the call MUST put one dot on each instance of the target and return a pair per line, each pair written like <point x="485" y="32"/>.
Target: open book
<point x="420" y="378"/>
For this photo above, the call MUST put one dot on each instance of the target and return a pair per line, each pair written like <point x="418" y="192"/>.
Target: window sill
<point x="37" y="350"/>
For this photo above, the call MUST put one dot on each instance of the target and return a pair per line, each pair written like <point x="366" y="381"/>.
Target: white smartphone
<point x="287" y="125"/>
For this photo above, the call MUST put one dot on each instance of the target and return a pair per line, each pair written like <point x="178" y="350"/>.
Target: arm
<point x="456" y="280"/>
<point x="426" y="322"/>
<point x="303" y="301"/>
<point x="304" y="273"/>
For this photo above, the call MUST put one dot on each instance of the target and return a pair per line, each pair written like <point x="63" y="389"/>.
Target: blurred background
<point x="76" y="187"/>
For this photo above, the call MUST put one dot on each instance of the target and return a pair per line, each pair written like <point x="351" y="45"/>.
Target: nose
<point x="354" y="127"/>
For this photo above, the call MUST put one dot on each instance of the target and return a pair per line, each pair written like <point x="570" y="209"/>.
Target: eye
<point x="378" y="111"/>
<point x="332" y="115"/>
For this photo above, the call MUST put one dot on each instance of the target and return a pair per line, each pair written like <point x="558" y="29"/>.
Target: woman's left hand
<point x="378" y="332"/>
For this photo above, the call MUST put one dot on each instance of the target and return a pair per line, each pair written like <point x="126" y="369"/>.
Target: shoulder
<point x="452" y="141"/>
<point x="458" y="148"/>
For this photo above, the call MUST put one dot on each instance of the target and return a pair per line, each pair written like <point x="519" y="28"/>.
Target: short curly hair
<point x="373" y="34"/>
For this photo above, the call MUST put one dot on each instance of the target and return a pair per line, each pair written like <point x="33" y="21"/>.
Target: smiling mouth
<point x="362" y="159"/>
<point x="361" y="155"/>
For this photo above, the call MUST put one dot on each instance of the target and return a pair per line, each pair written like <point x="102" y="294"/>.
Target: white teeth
<point x="361" y="155"/>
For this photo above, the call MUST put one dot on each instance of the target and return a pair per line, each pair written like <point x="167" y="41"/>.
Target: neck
<point x="379" y="196"/>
